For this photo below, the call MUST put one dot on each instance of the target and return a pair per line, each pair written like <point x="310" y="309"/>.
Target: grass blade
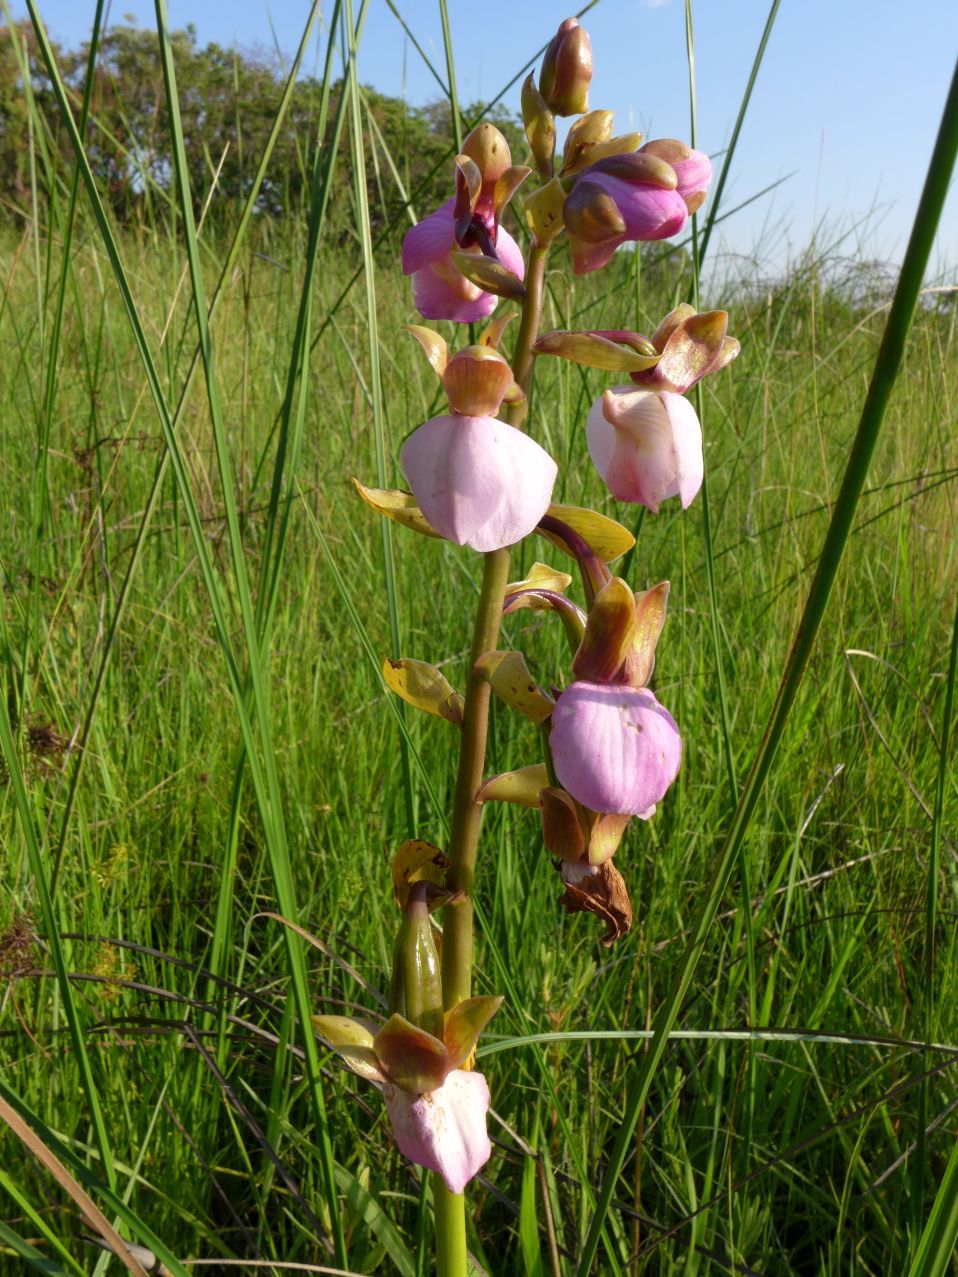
<point x="936" y="1248"/>
<point x="271" y="810"/>
<point x="931" y="919"/>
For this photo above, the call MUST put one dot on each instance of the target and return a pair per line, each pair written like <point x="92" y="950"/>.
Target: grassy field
<point x="814" y="1146"/>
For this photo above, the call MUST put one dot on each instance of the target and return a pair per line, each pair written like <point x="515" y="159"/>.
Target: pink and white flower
<point x="443" y="1130"/>
<point x="615" y="748"/>
<point x="479" y="481"/>
<point x="646" y="445"/>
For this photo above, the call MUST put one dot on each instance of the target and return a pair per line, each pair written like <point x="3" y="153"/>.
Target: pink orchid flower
<point x="439" y="290"/>
<point x="622" y="198"/>
<point x="479" y="481"/>
<point x="646" y="445"/>
<point x="443" y="1130"/>
<point x="615" y="748"/>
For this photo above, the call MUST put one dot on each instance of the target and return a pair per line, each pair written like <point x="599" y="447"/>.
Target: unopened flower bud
<point x="591" y="130"/>
<point x="567" y="70"/>
<point x="540" y="127"/>
<point x="489" y="151"/>
<point x="416" y="988"/>
<point x="620" y="198"/>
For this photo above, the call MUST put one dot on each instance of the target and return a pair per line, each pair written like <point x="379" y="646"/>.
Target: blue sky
<point x="848" y="99"/>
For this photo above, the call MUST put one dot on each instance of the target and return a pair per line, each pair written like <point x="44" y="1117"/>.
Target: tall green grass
<point x="195" y="739"/>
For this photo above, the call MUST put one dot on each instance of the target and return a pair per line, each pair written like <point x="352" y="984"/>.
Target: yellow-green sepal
<point x="412" y="1058"/>
<point x="508" y="676"/>
<point x="606" y="538"/>
<point x="489" y="275"/>
<point x="353" y="1040"/>
<point x="595" y="351"/>
<point x="522" y="786"/>
<point x="397" y="505"/>
<point x="463" y="1024"/>
<point x="417" y="861"/>
<point x="541" y="576"/>
<point x="543" y="211"/>
<point x="424" y="687"/>
<point x="608" y="636"/>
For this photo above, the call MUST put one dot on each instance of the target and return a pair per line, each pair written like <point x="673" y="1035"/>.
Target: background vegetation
<point x="125" y="793"/>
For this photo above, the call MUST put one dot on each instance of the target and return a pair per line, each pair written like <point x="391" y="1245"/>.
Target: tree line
<point x="228" y="102"/>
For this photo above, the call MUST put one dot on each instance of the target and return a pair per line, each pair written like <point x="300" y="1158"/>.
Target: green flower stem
<point x="450" y="1212"/>
<point x="457" y="936"/>
<point x="467" y="813"/>
<point x="528" y="326"/>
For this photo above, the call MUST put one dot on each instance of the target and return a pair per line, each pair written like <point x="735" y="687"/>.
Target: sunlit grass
<point x="782" y="1154"/>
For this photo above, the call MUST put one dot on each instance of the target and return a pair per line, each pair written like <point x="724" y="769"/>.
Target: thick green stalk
<point x="457" y="938"/>
<point x="467" y="813"/>
<point x="529" y="324"/>
<point x="451" y="1249"/>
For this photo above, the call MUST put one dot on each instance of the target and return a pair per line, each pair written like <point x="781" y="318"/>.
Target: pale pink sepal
<point x="646" y="445"/>
<point x="444" y="1130"/>
<point x="479" y="481"/>
<point x="615" y="748"/>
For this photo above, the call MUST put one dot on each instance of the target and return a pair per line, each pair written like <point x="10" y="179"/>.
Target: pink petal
<point x="649" y="212"/>
<point x="694" y="174"/>
<point x="444" y="1130"/>
<point x="615" y="748"/>
<point x="510" y="254"/>
<point x="646" y="445"/>
<point x="429" y="239"/>
<point x="439" y="291"/>
<point x="479" y="481"/>
<point x="687" y="443"/>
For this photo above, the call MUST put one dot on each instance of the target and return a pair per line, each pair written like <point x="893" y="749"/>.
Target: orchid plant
<point x="477" y="478"/>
